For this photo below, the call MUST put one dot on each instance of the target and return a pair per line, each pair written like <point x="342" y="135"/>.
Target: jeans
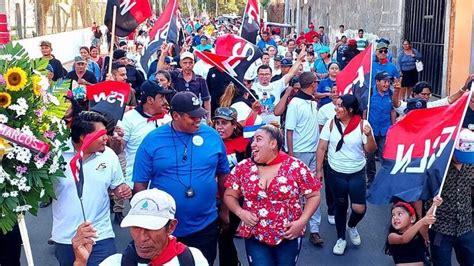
<point x="309" y="158"/>
<point x="442" y="246"/>
<point x="284" y="254"/>
<point x="371" y="168"/>
<point x="343" y="185"/>
<point x="204" y="240"/>
<point x="329" y="191"/>
<point x="101" y="250"/>
<point x="227" y="252"/>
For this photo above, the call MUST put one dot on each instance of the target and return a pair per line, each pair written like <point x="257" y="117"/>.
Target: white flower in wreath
<point x="13" y="182"/>
<point x="262" y="194"/>
<point x="283" y="189"/>
<point x="235" y="186"/>
<point x="20" y="108"/>
<point x="24" y="156"/>
<point x="249" y="204"/>
<point x="14" y="194"/>
<point x="253" y="168"/>
<point x="21" y="186"/>
<point x="263" y="212"/>
<point x="26" y="129"/>
<point x="3" y="119"/>
<point x="53" y="168"/>
<point x="5" y="194"/>
<point x="308" y="191"/>
<point x="282" y="179"/>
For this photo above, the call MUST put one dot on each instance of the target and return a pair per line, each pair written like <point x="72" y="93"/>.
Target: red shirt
<point x="279" y="204"/>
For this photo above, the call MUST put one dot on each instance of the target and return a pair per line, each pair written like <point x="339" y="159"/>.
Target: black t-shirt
<point x="217" y="82"/>
<point x="58" y="70"/>
<point x="413" y="251"/>
<point x="88" y="76"/>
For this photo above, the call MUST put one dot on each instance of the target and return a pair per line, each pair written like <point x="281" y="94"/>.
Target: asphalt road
<point x="373" y="230"/>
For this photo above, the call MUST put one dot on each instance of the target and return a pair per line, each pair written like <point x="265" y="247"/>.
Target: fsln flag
<point x="130" y="14"/>
<point x="251" y="22"/>
<point x="416" y="154"/>
<point x="355" y="77"/>
<point x="160" y="31"/>
<point x="233" y="55"/>
<point x="76" y="161"/>
<point x="110" y="99"/>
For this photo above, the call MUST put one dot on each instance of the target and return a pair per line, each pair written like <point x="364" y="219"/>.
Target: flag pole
<point x="25" y="239"/>
<point x="370" y="79"/>
<point x="236" y="80"/>
<point x="454" y="146"/>
<point x="112" y="39"/>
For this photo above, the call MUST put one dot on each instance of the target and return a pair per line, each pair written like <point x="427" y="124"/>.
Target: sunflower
<point x="35" y="80"/>
<point x="15" y="78"/>
<point x="5" y="99"/>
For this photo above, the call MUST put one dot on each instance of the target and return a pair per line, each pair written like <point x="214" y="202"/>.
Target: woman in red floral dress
<point x="272" y="183"/>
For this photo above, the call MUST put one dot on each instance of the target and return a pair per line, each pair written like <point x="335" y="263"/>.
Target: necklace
<point x="189" y="191"/>
<point x="185" y="144"/>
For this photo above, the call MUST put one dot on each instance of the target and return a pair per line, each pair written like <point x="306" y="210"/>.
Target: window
<point x="309" y="15"/>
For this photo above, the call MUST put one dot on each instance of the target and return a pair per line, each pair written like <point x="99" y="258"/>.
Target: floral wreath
<point x="29" y="109"/>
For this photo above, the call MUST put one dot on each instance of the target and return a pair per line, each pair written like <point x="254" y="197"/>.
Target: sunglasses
<point x="384" y="51"/>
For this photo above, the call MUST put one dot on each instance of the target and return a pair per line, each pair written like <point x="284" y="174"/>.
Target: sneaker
<point x="331" y="219"/>
<point x="316" y="239"/>
<point x="354" y="235"/>
<point x="339" y="247"/>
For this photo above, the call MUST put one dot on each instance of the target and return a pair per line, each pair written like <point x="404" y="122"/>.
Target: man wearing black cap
<point x="381" y="117"/>
<point x="80" y="74"/>
<point x="183" y="158"/>
<point x="137" y="123"/>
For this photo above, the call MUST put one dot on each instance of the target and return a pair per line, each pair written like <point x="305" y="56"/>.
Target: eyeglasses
<point x="385" y="51"/>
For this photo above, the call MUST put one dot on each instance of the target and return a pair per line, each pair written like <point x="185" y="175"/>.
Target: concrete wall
<point x="460" y="43"/>
<point x="65" y="45"/>
<point x="382" y="18"/>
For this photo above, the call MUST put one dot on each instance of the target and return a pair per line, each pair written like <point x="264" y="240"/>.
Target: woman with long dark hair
<point x="272" y="184"/>
<point x="346" y="138"/>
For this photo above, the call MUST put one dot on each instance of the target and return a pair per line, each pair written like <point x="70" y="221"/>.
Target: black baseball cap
<point x="119" y="54"/>
<point x="415" y="103"/>
<point x="151" y="89"/>
<point x="187" y="102"/>
<point x="383" y="76"/>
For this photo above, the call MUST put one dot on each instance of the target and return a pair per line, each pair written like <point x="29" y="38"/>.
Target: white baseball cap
<point x="186" y="55"/>
<point x="150" y="209"/>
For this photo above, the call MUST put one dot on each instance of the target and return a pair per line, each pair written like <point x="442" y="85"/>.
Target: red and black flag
<point x="355" y="77"/>
<point x="109" y="98"/>
<point x="251" y="22"/>
<point x="233" y="55"/>
<point x="130" y="14"/>
<point x="417" y="153"/>
<point x="165" y="29"/>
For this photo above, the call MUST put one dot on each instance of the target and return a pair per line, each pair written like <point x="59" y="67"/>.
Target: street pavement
<point x="373" y="230"/>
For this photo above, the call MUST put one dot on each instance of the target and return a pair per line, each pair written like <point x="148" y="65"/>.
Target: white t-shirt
<point x="269" y="97"/>
<point x="282" y="50"/>
<point x="135" y="128"/>
<point x="243" y="111"/>
<point x="199" y="260"/>
<point x="302" y="118"/>
<point x="325" y="113"/>
<point x="403" y="105"/>
<point x="101" y="172"/>
<point x="351" y="157"/>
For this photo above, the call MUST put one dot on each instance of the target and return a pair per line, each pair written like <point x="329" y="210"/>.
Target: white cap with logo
<point x="150" y="209"/>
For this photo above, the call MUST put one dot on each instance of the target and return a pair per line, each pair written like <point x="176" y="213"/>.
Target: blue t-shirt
<point x="160" y="161"/>
<point x="379" y="113"/>
<point x="325" y="86"/>
<point x="320" y="66"/>
<point x="263" y="45"/>
<point x="390" y="68"/>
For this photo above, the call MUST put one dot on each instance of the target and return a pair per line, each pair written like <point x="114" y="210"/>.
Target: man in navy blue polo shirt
<point x="381" y="117"/>
<point x="185" y="79"/>
<point x="183" y="158"/>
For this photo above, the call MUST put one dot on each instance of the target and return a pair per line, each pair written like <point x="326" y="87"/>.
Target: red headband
<point x="407" y="206"/>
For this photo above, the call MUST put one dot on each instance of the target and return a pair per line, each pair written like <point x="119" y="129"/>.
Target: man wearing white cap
<point x="152" y="221"/>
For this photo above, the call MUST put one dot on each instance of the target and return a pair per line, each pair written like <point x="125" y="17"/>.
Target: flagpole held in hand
<point x="452" y="150"/>
<point x="111" y="50"/>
